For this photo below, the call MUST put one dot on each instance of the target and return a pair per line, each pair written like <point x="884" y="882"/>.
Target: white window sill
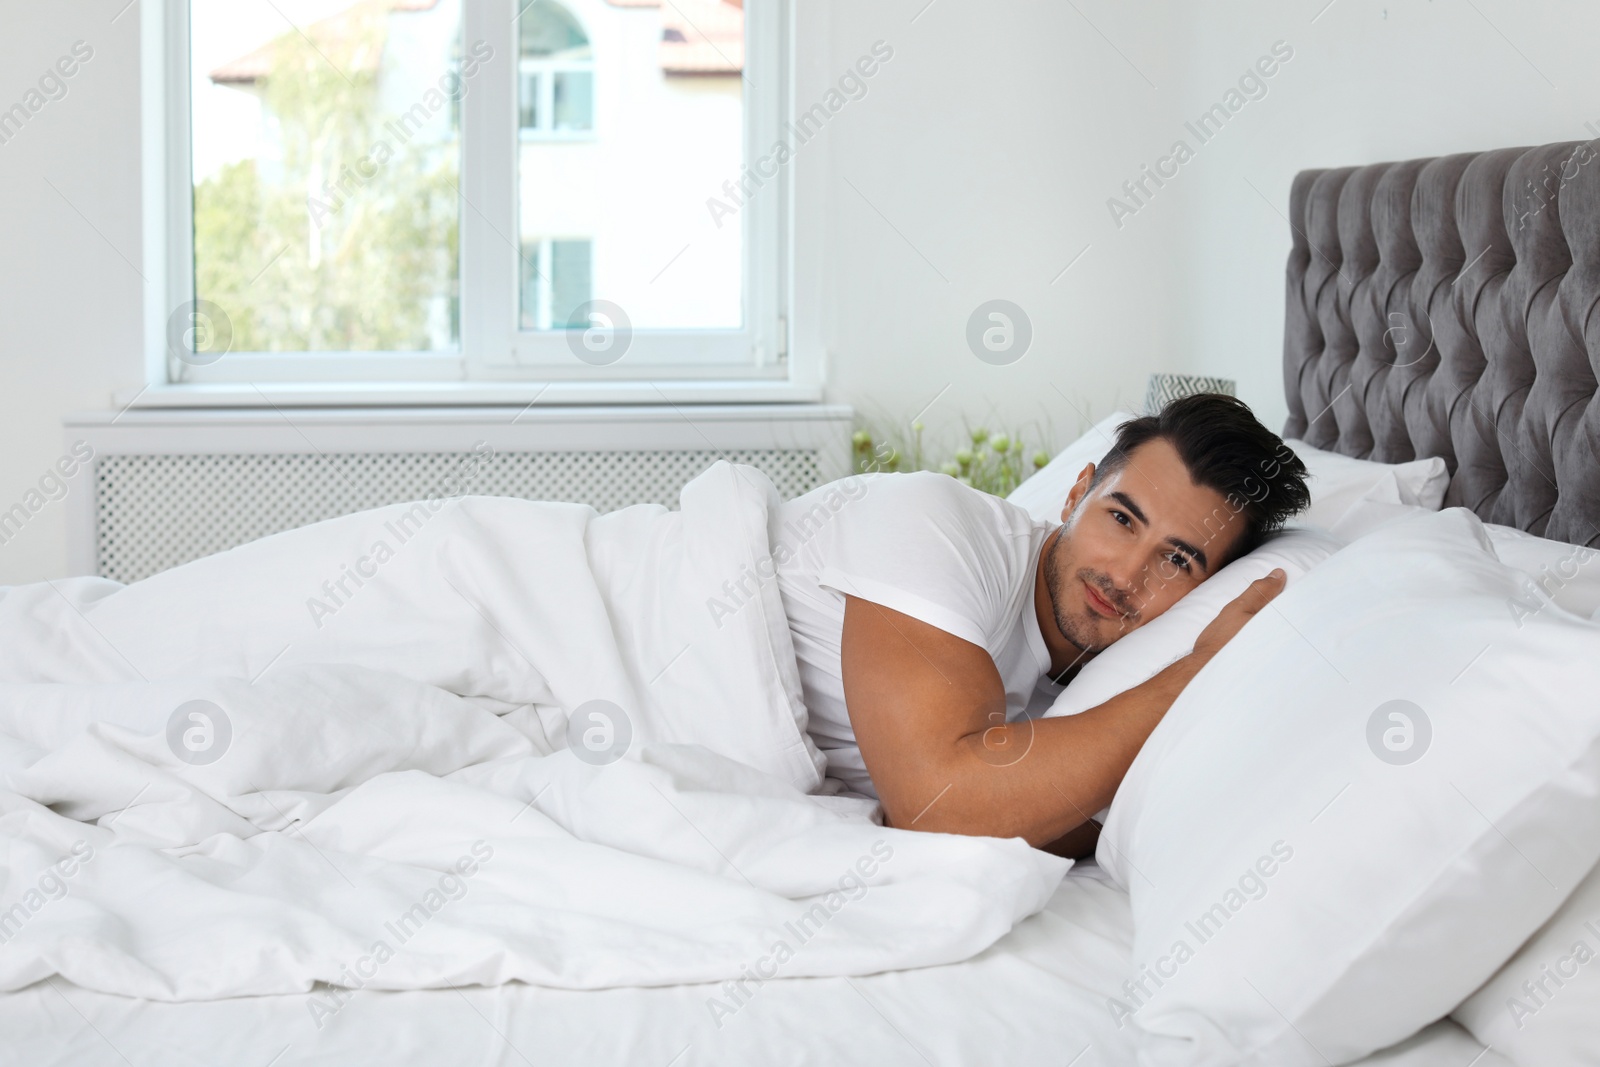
<point x="464" y="394"/>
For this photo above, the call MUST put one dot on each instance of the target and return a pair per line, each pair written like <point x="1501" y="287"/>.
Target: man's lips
<point x="1100" y="604"/>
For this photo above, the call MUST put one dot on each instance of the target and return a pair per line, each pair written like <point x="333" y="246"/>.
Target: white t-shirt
<point x="921" y="544"/>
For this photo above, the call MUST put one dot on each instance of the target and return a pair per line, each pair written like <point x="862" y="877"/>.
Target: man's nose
<point x="1124" y="574"/>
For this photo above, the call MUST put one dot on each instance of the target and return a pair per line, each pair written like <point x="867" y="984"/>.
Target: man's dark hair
<point x="1227" y="450"/>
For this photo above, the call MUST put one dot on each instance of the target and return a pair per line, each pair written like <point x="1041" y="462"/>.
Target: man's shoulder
<point x="941" y="494"/>
<point x="932" y="486"/>
<point x="915" y="506"/>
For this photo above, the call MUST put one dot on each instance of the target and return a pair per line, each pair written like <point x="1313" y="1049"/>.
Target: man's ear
<point x="1079" y="490"/>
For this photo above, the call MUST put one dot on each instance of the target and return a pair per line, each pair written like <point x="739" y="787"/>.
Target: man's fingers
<point x="1262" y="590"/>
<point x="1240" y="610"/>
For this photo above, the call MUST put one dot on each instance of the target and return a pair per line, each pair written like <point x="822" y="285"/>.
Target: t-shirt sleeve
<point x="927" y="546"/>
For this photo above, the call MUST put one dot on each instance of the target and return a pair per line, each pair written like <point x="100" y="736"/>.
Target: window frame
<point x="493" y="356"/>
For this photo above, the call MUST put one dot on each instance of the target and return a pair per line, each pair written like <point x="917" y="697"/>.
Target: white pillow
<point x="1045" y="493"/>
<point x="1301" y="895"/>
<point x="1366" y="516"/>
<point x="1543" y="1008"/>
<point x="1142" y="653"/>
<point x="1341" y="484"/>
<point x="1568" y="574"/>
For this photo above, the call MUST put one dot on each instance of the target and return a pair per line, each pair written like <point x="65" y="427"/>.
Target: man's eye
<point x="1122" y="518"/>
<point x="1178" y="559"/>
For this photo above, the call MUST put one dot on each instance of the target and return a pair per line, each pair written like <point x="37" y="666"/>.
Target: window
<point x="445" y="190"/>
<point x="556" y="283"/>
<point x="555" y="74"/>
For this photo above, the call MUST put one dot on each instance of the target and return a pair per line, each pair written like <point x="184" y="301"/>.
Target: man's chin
<point x="1092" y="633"/>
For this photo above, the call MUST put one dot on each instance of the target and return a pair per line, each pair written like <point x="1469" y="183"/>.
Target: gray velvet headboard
<point x="1451" y="307"/>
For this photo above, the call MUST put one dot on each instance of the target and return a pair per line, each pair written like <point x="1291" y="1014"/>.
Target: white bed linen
<point x="1341" y="485"/>
<point x="1422" y="856"/>
<point x="1036" y="997"/>
<point x="373" y="822"/>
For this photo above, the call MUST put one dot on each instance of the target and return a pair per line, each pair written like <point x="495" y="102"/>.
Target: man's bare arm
<point x="1076" y="844"/>
<point x="928" y="710"/>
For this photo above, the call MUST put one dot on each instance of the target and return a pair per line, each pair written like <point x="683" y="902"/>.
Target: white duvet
<point x="342" y="754"/>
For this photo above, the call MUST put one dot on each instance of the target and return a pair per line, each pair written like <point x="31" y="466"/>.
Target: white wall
<point x="976" y="169"/>
<point x="1371" y="80"/>
<point x="994" y="140"/>
<point x="70" y="254"/>
<point x="978" y="165"/>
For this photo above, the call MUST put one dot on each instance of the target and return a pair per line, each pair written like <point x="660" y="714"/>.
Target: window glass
<point x="326" y="158"/>
<point x="569" y="279"/>
<point x="572" y="106"/>
<point x="631" y="119"/>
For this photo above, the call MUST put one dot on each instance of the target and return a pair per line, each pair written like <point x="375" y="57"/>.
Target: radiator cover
<point x="172" y="487"/>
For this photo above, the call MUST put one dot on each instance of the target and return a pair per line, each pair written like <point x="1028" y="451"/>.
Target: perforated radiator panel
<point x="153" y="512"/>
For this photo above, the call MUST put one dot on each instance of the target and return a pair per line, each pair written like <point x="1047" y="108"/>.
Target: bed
<point x="1436" y="308"/>
<point x="1036" y="997"/>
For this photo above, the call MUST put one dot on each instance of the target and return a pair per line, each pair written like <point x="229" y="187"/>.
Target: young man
<point x="926" y="615"/>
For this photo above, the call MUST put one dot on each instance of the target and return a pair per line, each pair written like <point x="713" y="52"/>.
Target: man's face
<point x="1133" y="545"/>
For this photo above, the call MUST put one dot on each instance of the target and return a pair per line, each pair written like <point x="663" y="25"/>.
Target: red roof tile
<point x="698" y="36"/>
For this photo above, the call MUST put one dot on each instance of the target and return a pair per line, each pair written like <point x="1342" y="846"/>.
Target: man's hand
<point x="1240" y="610"/>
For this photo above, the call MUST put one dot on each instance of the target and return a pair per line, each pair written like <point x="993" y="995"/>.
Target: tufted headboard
<point x="1451" y="307"/>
